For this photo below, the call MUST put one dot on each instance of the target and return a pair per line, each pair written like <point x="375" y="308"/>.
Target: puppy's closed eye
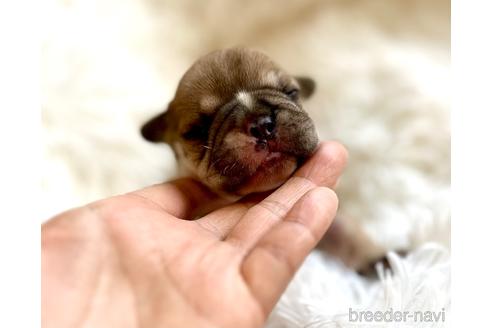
<point x="198" y="130"/>
<point x="292" y="93"/>
<point x="305" y="89"/>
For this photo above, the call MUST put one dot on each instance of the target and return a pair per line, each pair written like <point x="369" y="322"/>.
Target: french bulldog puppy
<point x="237" y="124"/>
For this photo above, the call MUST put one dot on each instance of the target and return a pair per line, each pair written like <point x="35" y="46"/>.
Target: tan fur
<point x="206" y="122"/>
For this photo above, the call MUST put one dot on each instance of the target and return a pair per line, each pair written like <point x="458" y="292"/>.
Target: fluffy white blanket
<point x="382" y="68"/>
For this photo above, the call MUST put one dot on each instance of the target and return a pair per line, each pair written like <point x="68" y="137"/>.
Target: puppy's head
<point x="236" y="122"/>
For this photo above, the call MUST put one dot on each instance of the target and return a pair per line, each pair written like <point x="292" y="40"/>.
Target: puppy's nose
<point x="261" y="127"/>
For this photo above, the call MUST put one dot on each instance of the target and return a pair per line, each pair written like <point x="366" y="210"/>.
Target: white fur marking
<point x="209" y="102"/>
<point x="245" y="98"/>
<point x="271" y="79"/>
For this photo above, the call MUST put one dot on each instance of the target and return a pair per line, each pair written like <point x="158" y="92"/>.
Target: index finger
<point x="321" y="170"/>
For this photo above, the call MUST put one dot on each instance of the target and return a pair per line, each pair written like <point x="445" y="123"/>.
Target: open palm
<point x="137" y="260"/>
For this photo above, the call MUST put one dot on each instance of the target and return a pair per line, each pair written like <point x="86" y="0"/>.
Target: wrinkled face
<point x="236" y="122"/>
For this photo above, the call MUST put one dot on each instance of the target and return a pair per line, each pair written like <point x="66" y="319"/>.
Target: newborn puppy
<point x="236" y="122"/>
<point x="237" y="125"/>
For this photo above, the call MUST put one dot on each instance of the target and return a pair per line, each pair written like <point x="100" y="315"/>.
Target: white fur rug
<point x="382" y="68"/>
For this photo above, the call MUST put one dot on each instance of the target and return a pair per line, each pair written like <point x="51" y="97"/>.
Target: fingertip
<point x="325" y="167"/>
<point x="324" y="196"/>
<point x="333" y="152"/>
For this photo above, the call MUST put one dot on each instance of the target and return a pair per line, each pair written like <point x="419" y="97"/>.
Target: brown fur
<point x="205" y="122"/>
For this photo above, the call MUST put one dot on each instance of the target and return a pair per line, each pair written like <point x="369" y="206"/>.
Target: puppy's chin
<point x="273" y="170"/>
<point x="243" y="165"/>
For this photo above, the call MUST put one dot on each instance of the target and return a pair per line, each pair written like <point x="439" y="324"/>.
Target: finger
<point x="183" y="198"/>
<point x="326" y="165"/>
<point x="272" y="263"/>
<point x="222" y="221"/>
<point x="323" y="169"/>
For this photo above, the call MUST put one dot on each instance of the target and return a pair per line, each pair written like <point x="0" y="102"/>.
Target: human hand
<point x="136" y="260"/>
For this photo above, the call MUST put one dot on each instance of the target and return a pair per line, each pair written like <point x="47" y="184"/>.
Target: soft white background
<point x="383" y="76"/>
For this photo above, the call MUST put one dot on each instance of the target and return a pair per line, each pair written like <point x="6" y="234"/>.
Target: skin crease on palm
<point x="136" y="260"/>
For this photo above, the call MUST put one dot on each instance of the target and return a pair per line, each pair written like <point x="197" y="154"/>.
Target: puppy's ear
<point x="155" y="128"/>
<point x="307" y="85"/>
